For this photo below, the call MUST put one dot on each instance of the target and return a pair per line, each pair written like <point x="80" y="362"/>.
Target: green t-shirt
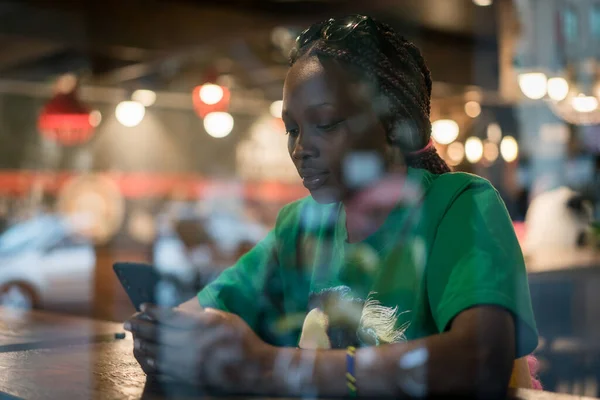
<point x="452" y="249"/>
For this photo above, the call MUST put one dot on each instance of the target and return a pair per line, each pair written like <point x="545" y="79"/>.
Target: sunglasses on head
<point x="334" y="30"/>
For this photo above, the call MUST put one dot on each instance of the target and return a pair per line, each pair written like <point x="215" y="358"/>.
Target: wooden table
<point x="100" y="367"/>
<point x="26" y="330"/>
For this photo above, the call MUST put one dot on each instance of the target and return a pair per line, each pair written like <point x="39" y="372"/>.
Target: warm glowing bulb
<point x="494" y="133"/>
<point x="533" y="84"/>
<point x="211" y="93"/>
<point x="585" y="104"/>
<point x="472" y="109"/>
<point x="95" y="118"/>
<point x="276" y="108"/>
<point x="473" y="149"/>
<point x="444" y="131"/>
<point x="558" y="88"/>
<point x="490" y="151"/>
<point x="218" y="124"/>
<point x="509" y="148"/>
<point x="145" y="97"/>
<point x="483" y="3"/>
<point x="455" y="153"/>
<point x="130" y="113"/>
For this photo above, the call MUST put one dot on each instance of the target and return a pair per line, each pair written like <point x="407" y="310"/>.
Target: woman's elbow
<point x="492" y="369"/>
<point x="474" y="368"/>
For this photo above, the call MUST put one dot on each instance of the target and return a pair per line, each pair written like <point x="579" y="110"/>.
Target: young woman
<point x="394" y="277"/>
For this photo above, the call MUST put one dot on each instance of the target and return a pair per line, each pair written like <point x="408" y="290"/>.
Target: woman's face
<point x="336" y="139"/>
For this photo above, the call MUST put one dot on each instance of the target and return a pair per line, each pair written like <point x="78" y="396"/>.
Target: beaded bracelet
<point x="350" y="378"/>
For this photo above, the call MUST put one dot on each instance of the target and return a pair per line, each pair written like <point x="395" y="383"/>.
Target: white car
<point x="45" y="263"/>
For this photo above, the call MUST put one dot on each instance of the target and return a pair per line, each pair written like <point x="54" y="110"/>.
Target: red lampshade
<point x="203" y="109"/>
<point x="66" y="120"/>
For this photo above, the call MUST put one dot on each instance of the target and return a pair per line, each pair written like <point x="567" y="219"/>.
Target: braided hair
<point x="396" y="70"/>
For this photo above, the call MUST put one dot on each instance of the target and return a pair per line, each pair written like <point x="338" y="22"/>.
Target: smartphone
<point x="143" y="283"/>
<point x="139" y="281"/>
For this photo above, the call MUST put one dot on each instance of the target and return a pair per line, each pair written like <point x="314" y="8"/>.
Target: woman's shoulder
<point x="443" y="191"/>
<point x="454" y="182"/>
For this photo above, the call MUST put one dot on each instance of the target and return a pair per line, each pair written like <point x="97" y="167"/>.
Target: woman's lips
<point x="314" y="181"/>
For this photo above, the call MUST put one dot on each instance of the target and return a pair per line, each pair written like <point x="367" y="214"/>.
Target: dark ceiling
<point x="172" y="44"/>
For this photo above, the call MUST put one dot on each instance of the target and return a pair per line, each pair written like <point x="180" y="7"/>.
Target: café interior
<point x="151" y="132"/>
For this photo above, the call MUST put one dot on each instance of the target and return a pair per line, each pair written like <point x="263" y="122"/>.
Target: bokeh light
<point x="218" y="124"/>
<point x="483" y="3"/>
<point x="533" y="84"/>
<point x="130" y="113"/>
<point x="276" y="108"/>
<point x="211" y="94"/>
<point x="67" y="83"/>
<point x="473" y="149"/>
<point x="144" y="97"/>
<point x="509" y="148"/>
<point x="584" y="104"/>
<point x="444" y="131"/>
<point x="473" y="109"/>
<point x="490" y="151"/>
<point x="558" y="88"/>
<point x="494" y="133"/>
<point x="455" y="153"/>
<point x="95" y="118"/>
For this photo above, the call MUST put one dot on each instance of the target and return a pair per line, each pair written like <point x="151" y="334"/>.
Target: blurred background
<point x="150" y="131"/>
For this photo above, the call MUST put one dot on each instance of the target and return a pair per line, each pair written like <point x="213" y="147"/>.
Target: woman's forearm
<point x="462" y="362"/>
<point x="297" y="372"/>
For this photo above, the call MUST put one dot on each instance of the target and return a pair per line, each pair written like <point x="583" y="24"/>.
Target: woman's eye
<point x="292" y="132"/>
<point x="330" y="127"/>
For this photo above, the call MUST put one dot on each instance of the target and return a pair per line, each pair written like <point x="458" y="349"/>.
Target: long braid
<point x="402" y="83"/>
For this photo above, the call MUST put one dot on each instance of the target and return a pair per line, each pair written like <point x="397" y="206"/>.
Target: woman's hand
<point x="202" y="347"/>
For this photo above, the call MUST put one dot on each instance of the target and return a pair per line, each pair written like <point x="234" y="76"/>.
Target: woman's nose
<point x="303" y="148"/>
